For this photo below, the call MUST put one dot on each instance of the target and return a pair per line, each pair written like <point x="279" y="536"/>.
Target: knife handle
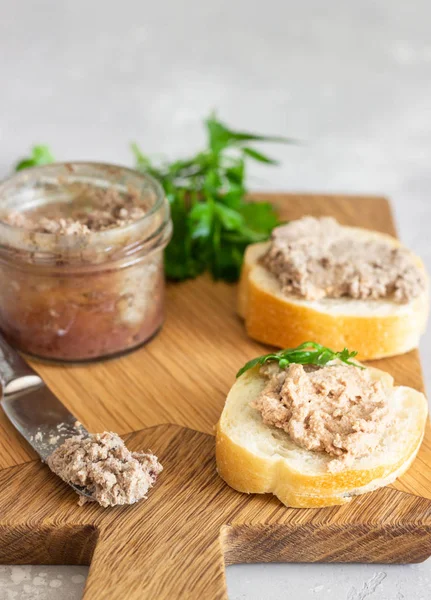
<point x="15" y="373"/>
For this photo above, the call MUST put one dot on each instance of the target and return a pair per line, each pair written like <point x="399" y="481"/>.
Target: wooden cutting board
<point x="176" y="543"/>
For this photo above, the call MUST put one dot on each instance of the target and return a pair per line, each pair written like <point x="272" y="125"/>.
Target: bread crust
<point x="250" y="473"/>
<point x="283" y="321"/>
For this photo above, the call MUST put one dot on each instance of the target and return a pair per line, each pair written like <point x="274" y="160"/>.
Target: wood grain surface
<point x="174" y="545"/>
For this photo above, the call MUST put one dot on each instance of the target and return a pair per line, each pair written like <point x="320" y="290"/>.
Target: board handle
<point x="168" y="559"/>
<point x="169" y="546"/>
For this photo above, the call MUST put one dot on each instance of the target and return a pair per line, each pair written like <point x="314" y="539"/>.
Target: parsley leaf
<point x="213" y="224"/>
<point x="308" y="353"/>
<point x="40" y="155"/>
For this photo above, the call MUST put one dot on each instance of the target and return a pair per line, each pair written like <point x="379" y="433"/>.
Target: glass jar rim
<point x="147" y="232"/>
<point x="69" y="166"/>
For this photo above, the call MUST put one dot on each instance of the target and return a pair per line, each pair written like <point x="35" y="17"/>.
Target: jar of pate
<point x="81" y="260"/>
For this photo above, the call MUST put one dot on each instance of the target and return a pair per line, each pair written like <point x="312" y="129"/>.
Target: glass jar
<point x="81" y="297"/>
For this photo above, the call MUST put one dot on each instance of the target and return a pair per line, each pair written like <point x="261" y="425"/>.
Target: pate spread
<point x="92" y="209"/>
<point x="82" y="315"/>
<point x="316" y="258"/>
<point x="334" y="409"/>
<point x="74" y="295"/>
<point x="106" y="468"/>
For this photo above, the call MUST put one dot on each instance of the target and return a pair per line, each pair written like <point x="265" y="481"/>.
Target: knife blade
<point x="31" y="407"/>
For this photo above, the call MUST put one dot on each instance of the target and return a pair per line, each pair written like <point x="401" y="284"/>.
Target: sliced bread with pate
<point x="254" y="457"/>
<point x="376" y="327"/>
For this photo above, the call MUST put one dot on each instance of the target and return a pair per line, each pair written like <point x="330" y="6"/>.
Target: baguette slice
<point x="257" y="459"/>
<point x="375" y="328"/>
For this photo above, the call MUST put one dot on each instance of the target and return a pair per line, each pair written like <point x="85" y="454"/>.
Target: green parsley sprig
<point x="308" y="353"/>
<point x="40" y="155"/>
<point x="213" y="224"/>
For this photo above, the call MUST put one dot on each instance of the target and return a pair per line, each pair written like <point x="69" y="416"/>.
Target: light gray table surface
<point x="351" y="79"/>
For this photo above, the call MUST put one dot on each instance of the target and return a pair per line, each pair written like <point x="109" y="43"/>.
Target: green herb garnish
<point x="40" y="155"/>
<point x="308" y="353"/>
<point x="212" y="222"/>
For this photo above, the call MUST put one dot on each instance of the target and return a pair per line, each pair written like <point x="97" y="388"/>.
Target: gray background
<point x="351" y="79"/>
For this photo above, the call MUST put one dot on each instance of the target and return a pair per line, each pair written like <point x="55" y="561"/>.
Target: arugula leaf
<point x="40" y="155"/>
<point x="308" y="353"/>
<point x="213" y="223"/>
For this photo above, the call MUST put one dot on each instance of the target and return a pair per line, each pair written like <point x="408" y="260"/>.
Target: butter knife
<point x="32" y="408"/>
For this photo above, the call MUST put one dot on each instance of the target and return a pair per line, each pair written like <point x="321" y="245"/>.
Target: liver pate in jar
<point x="81" y="260"/>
